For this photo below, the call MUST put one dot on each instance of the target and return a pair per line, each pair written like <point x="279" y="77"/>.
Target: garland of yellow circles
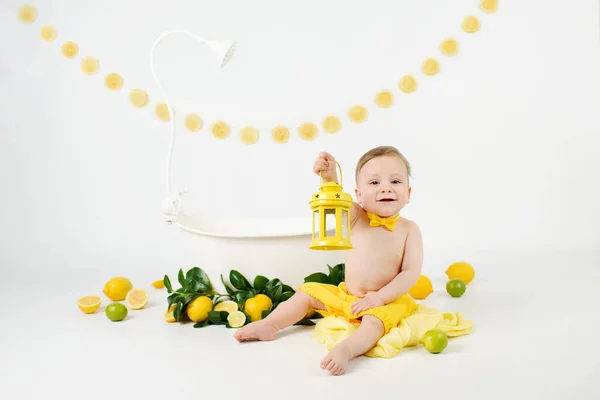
<point x="250" y="135"/>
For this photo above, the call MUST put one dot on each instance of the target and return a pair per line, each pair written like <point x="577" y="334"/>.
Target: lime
<point x="435" y="341"/>
<point x="116" y="312"/>
<point x="456" y="287"/>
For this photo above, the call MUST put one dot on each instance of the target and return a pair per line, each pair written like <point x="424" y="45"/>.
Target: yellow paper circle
<point x="113" y="81"/>
<point x="430" y="66"/>
<point x="89" y="65"/>
<point x="138" y="97"/>
<point x="249" y="135"/>
<point x="280" y="134"/>
<point x="48" y="33"/>
<point x="193" y="122"/>
<point x="357" y="114"/>
<point x="69" y="49"/>
<point x="27" y="14"/>
<point x="470" y="24"/>
<point x="449" y="47"/>
<point x="331" y="124"/>
<point x="220" y="130"/>
<point x="407" y="84"/>
<point x="162" y="112"/>
<point x="308" y="131"/>
<point x="489" y="5"/>
<point x="384" y="99"/>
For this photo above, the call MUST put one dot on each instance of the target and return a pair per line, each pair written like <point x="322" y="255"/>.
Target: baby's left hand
<point x="370" y="300"/>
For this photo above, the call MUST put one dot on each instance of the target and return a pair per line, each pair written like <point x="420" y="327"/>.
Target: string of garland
<point x="308" y="131"/>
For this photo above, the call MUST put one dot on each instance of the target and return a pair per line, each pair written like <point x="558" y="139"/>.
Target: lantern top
<point x="331" y="194"/>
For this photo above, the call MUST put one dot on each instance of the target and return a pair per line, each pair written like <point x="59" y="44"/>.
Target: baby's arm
<point x="412" y="265"/>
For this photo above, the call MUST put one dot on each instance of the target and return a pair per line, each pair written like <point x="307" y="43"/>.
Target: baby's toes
<point x="325" y="362"/>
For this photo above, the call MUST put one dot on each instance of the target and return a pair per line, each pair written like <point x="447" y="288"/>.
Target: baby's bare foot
<point x="259" y="330"/>
<point x="337" y="360"/>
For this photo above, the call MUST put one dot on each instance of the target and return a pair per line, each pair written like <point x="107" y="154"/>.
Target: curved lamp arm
<point x="172" y="204"/>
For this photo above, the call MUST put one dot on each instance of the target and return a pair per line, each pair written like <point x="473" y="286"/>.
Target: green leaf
<point x="285" y="296"/>
<point x="273" y="283"/>
<point x="330" y="270"/>
<point x="196" y="281"/>
<point x="172" y="298"/>
<point x="319" y="277"/>
<point x="201" y="324"/>
<point x="260" y="283"/>
<point x="241" y="297"/>
<point x="287" y="288"/>
<point x="181" y="279"/>
<point x="275" y="292"/>
<point x="215" y="317"/>
<point x="265" y="313"/>
<point x="167" y="283"/>
<point x="239" y="281"/>
<point x="305" y="321"/>
<point x="229" y="289"/>
<point x="177" y="311"/>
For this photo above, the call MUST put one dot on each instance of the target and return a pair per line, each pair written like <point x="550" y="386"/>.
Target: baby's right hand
<point x="325" y="164"/>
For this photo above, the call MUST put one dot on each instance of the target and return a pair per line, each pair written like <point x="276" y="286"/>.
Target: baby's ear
<point x="357" y="192"/>
<point x="409" y="190"/>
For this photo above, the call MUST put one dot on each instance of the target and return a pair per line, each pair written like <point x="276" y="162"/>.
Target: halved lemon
<point x="169" y="314"/>
<point x="137" y="299"/>
<point x="227" y="305"/>
<point x="89" y="304"/>
<point x="236" y="319"/>
<point x="158" y="284"/>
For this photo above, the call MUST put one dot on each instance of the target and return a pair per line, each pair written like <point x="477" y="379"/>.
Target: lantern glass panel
<point x="316" y="223"/>
<point x="345" y="224"/>
<point x="330" y="222"/>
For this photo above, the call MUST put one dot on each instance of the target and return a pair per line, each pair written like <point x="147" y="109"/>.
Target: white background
<point x="502" y="141"/>
<point x="503" y="145"/>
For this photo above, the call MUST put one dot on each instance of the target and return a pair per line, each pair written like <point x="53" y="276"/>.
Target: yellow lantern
<point x="331" y="217"/>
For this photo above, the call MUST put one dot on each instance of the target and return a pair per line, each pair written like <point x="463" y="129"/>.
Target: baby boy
<point x="384" y="263"/>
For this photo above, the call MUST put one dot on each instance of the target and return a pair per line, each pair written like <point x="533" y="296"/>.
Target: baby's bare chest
<point x="378" y="247"/>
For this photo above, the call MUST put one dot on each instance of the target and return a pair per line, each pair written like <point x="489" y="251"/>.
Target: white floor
<point x="537" y="335"/>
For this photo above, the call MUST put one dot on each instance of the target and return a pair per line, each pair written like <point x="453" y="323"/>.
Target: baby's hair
<point x="378" y="152"/>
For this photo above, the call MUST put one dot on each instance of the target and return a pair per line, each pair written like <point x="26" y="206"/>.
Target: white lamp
<point x="172" y="205"/>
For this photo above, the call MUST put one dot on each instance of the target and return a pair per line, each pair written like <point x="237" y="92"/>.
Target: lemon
<point x="449" y="47"/>
<point x="461" y="270"/>
<point x="113" y="81"/>
<point x="117" y="288"/>
<point x="69" y="49"/>
<point x="435" y="341"/>
<point x="48" y="33"/>
<point x="90" y="65"/>
<point x="158" y="284"/>
<point x="116" y="312"/>
<point x="249" y="135"/>
<point x="407" y="84"/>
<point x="228" y="305"/>
<point x="137" y="299"/>
<point x="456" y="287"/>
<point x="169" y="314"/>
<point x="422" y="288"/>
<point x="256" y="305"/>
<point x="220" y="130"/>
<point x="236" y="319"/>
<point x="89" y="304"/>
<point x="308" y="131"/>
<point x="280" y="134"/>
<point x="27" y="14"/>
<point x="470" y="24"/>
<point x="198" y="309"/>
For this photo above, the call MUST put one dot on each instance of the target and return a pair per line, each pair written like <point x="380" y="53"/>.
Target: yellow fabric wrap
<point x="405" y="322"/>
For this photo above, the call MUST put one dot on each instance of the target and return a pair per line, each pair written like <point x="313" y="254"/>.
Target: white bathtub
<point x="273" y="247"/>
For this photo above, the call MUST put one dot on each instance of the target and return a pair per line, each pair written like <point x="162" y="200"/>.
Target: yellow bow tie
<point x="376" y="220"/>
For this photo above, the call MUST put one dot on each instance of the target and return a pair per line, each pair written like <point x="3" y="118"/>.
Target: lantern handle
<point x="340" y="167"/>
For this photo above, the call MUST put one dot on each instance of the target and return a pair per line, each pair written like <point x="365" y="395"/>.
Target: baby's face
<point x="382" y="186"/>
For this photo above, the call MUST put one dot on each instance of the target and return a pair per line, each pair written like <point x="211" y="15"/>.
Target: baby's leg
<point x="361" y="341"/>
<point x="287" y="313"/>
